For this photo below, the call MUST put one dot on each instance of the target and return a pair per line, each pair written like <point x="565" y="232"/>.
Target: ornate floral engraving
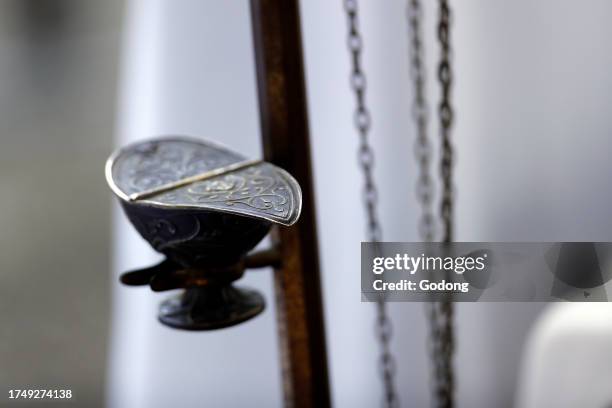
<point x="257" y="190"/>
<point x="156" y="163"/>
<point x="261" y="190"/>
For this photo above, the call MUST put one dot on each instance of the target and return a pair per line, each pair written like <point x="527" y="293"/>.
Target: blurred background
<point x="58" y="81"/>
<point x="78" y="79"/>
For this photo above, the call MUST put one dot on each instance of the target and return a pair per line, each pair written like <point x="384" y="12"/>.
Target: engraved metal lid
<point x="183" y="173"/>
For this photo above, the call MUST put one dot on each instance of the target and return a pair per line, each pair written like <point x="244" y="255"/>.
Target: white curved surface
<point x="568" y="359"/>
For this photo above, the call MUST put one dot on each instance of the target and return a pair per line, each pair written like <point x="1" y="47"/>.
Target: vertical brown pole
<point x="284" y="130"/>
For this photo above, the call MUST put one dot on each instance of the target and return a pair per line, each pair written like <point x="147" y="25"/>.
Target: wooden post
<point x="284" y="132"/>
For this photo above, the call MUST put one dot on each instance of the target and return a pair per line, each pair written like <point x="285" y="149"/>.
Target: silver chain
<point x="444" y="310"/>
<point x="445" y="111"/>
<point x="420" y="113"/>
<point x="440" y="314"/>
<point x="363" y="122"/>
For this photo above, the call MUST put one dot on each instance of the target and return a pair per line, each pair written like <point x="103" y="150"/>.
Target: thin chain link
<point x="441" y="348"/>
<point x="439" y="314"/>
<point x="363" y="122"/>
<point x="444" y="311"/>
<point x="445" y="111"/>
<point x="424" y="188"/>
<point x="420" y="112"/>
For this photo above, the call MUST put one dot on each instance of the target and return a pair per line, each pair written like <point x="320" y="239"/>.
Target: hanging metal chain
<point x="445" y="76"/>
<point x="442" y="347"/>
<point x="444" y="310"/>
<point x="439" y="313"/>
<point x="420" y="112"/>
<point x="362" y="120"/>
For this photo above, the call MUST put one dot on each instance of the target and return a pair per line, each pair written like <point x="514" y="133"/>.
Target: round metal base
<point x="210" y="308"/>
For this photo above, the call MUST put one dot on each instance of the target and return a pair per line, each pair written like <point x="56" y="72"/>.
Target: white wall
<point x="532" y="93"/>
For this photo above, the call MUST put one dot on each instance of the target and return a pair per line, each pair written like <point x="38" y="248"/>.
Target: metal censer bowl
<point x="204" y="207"/>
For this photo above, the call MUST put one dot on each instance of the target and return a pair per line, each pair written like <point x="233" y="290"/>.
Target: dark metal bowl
<point x="204" y="207"/>
<point x="197" y="239"/>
